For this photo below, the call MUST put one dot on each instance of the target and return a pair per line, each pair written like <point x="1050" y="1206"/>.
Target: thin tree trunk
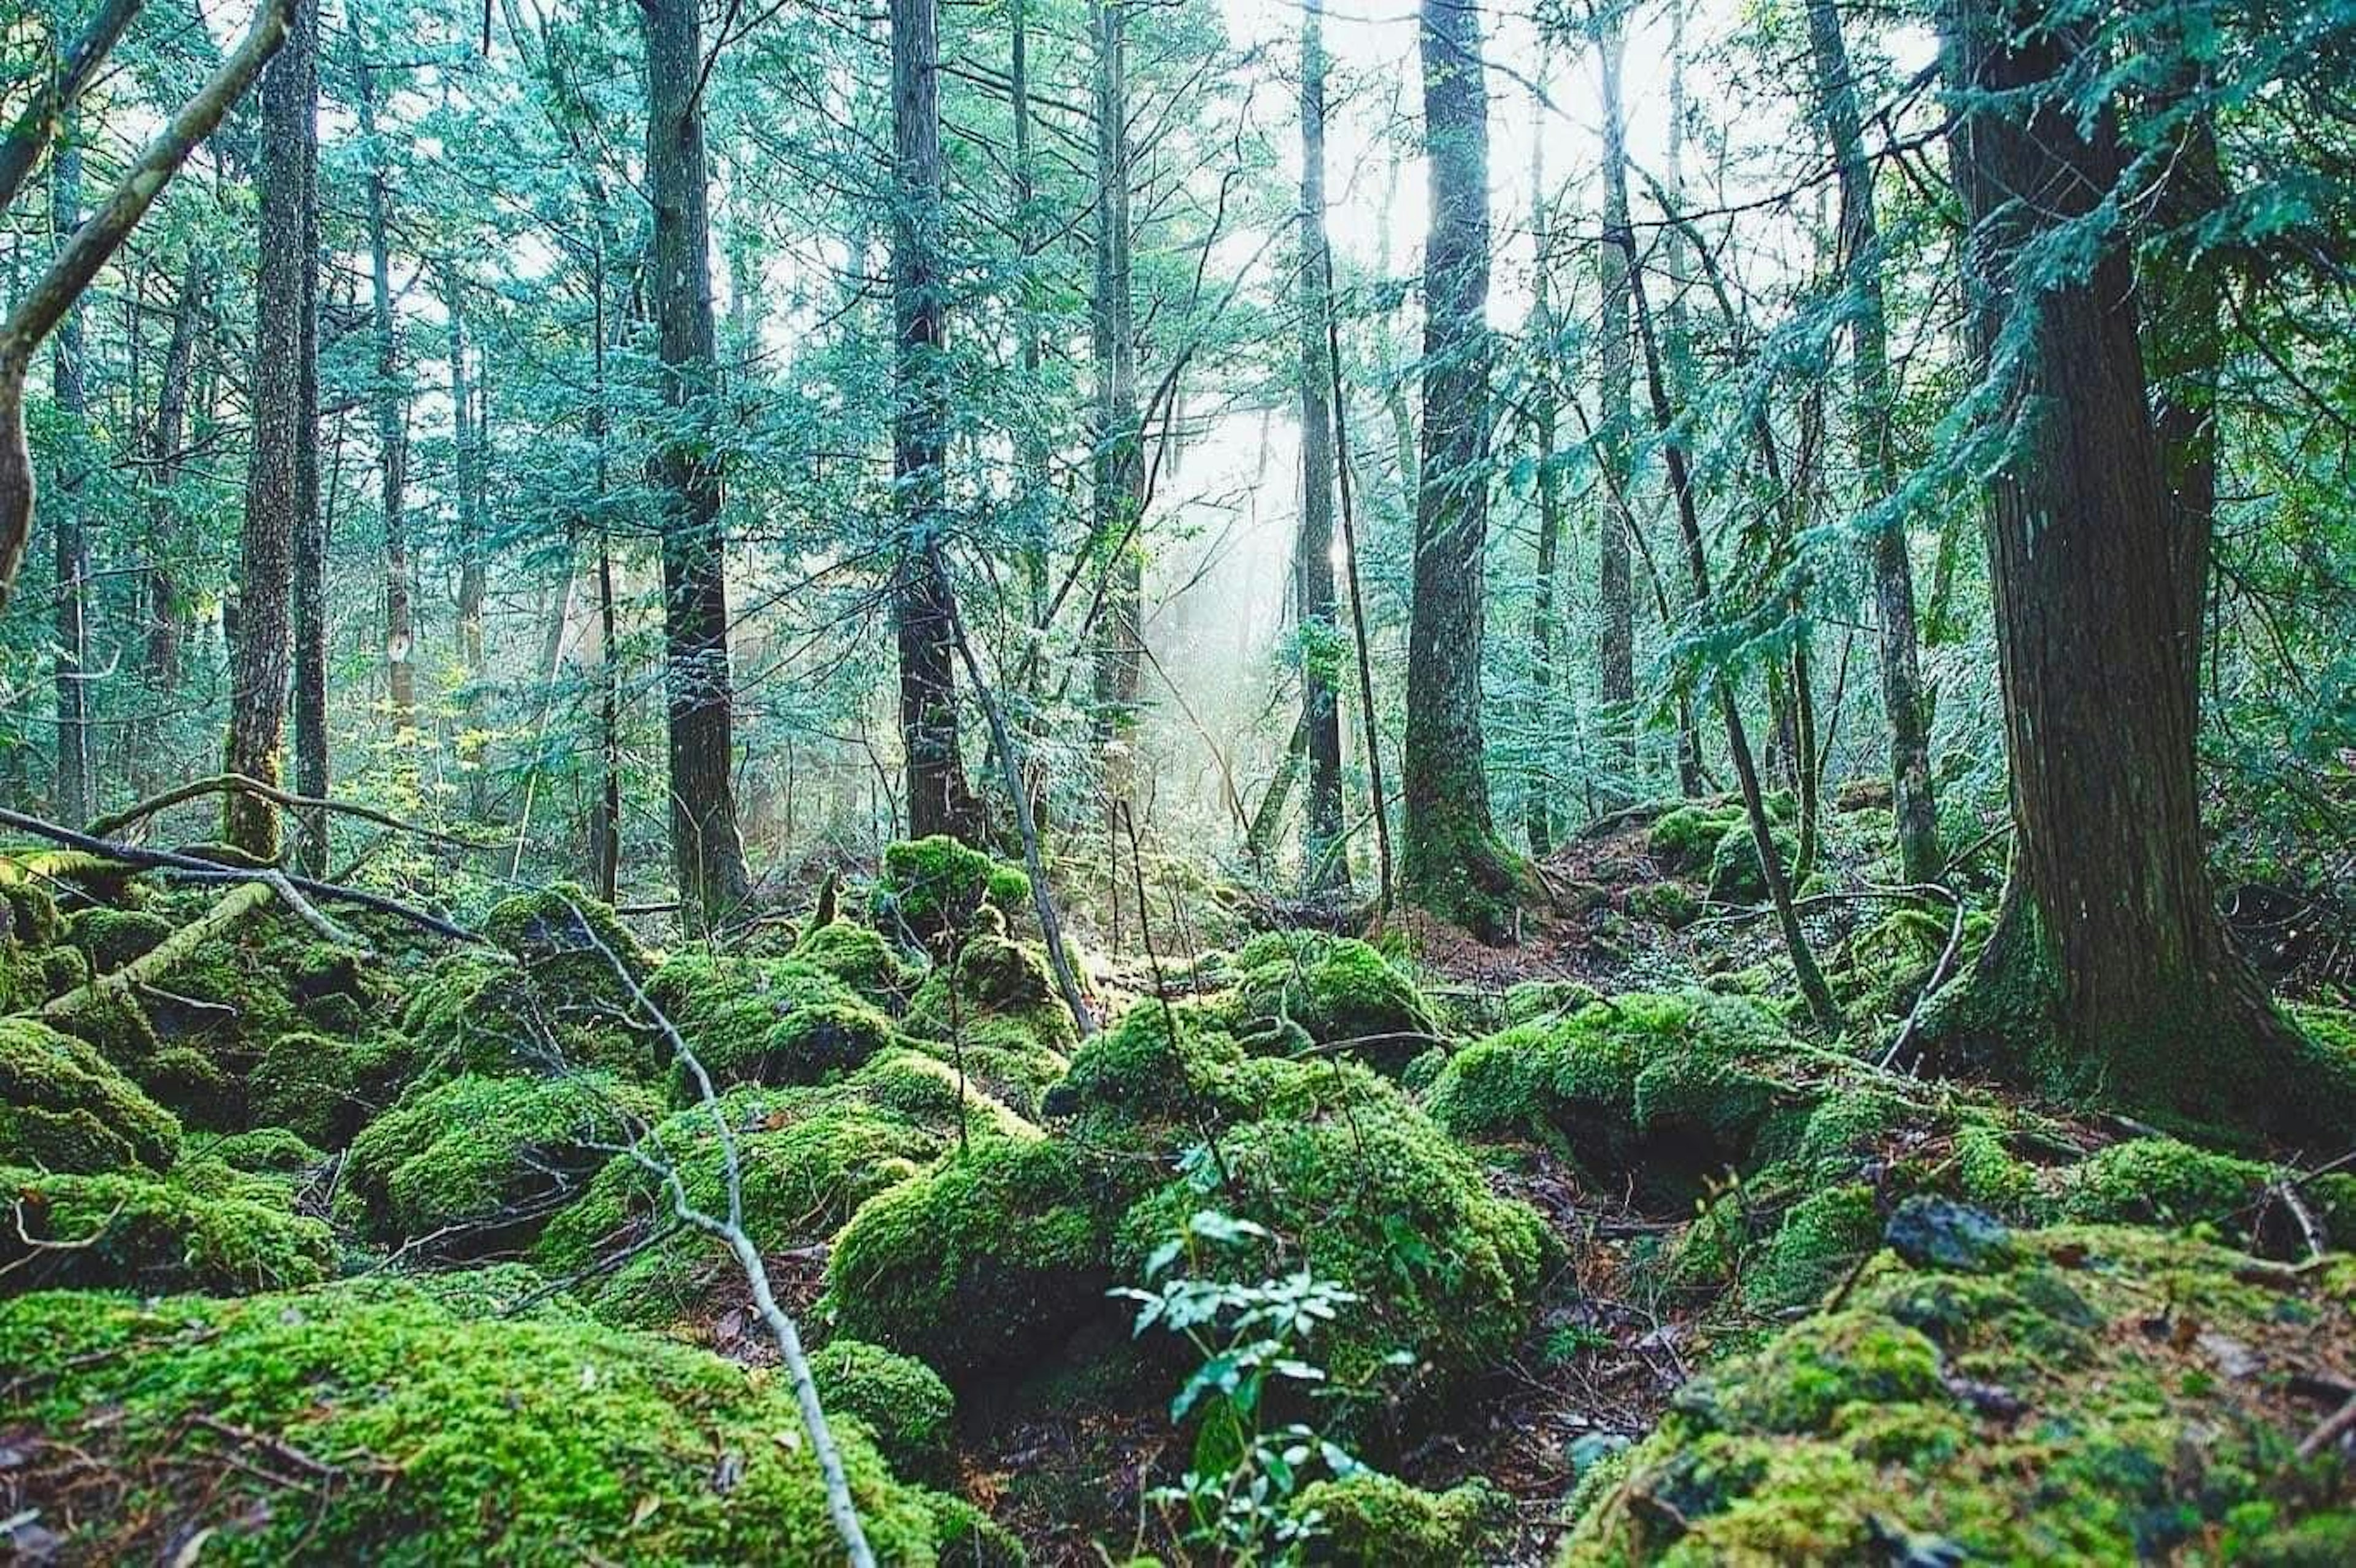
<point x="1451" y="863"/>
<point x="1537" y="809"/>
<point x="1617" y="650"/>
<point x="309" y="611"/>
<point x="389" y="401"/>
<point x="76" y="783"/>
<point x="466" y="465"/>
<point x="1119" y="470"/>
<point x="165" y="615"/>
<point x="1912" y="810"/>
<point x="2109" y="971"/>
<point x="938" y="798"/>
<point x="707" y="846"/>
<point x="262" y="651"/>
<point x="1313" y="544"/>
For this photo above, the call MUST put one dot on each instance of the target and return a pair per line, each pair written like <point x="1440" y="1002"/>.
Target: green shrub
<point x="64" y="1107"/>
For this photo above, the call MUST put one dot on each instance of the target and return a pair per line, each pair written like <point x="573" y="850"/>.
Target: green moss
<point x="1371" y="1194"/>
<point x="926" y="1087"/>
<point x="114" y="937"/>
<point x="1372" y="1520"/>
<point x="524" y="1441"/>
<point x="906" y="1406"/>
<point x="999" y="1251"/>
<point x="324" y="1087"/>
<point x="2162" y="1181"/>
<point x="127" y="1231"/>
<point x="1328" y="990"/>
<point x="1819" y="1242"/>
<point x="273" y="1151"/>
<point x="806" y="1159"/>
<point x="1683" y="838"/>
<point x="859" y="958"/>
<point x="480" y="1161"/>
<point x="1672" y="904"/>
<point x="1155" y="1062"/>
<point x="1534" y="1001"/>
<point x="557" y="931"/>
<point x="1735" y="873"/>
<point x="64" y="1107"/>
<point x="937" y="887"/>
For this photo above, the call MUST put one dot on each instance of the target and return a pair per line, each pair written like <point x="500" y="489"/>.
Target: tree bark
<point x="388" y="400"/>
<point x="1321" y="639"/>
<point x="1118" y="468"/>
<point x="1451" y="863"/>
<point x="310" y="575"/>
<point x="167" y="616"/>
<point x="1617" y="649"/>
<point x="1538" y="806"/>
<point x="938" y="798"/>
<point x="262" y="654"/>
<point x="75" y="781"/>
<point x="2109" y="973"/>
<point x="707" y="847"/>
<point x="1912" y="810"/>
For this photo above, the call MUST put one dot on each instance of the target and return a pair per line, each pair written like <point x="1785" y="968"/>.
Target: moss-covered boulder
<point x="1369" y="1519"/>
<point x="994" y="1012"/>
<point x="2085" y="1395"/>
<point x="452" y="1439"/>
<point x="934" y="888"/>
<point x="806" y="1159"/>
<point x="1156" y="1062"/>
<point x="1682" y="839"/>
<point x="1736" y="875"/>
<point x="997" y="1253"/>
<point x="2162" y="1181"/>
<point x="1366" y="1192"/>
<point x="325" y="1088"/>
<point x="110" y="937"/>
<point x="903" y="1404"/>
<point x="64" y="1107"/>
<point x="1301" y="988"/>
<point x="130" y="1231"/>
<point x="477" y="1162"/>
<point x="859" y="958"/>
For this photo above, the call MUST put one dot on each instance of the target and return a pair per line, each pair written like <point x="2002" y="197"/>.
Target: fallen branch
<point x="194" y="868"/>
<point x="2342" y="1421"/>
<point x="161" y="959"/>
<point x="240" y="783"/>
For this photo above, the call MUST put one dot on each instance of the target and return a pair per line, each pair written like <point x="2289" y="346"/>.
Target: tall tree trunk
<point x="938" y="798"/>
<point x="388" y="400"/>
<point x="309" y="611"/>
<point x="1911" y="807"/>
<point x="166" y="615"/>
<point x="1321" y="639"/>
<point x="1537" y="810"/>
<point x="466" y="459"/>
<point x="1451" y="863"/>
<point x="1617" y="652"/>
<point x="2109" y="972"/>
<point x="76" y="783"/>
<point x="261" y="653"/>
<point x="707" y="847"/>
<point x="1117" y="476"/>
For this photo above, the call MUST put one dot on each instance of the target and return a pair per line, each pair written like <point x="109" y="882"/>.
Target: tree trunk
<point x="1451" y="863"/>
<point x="1618" y="651"/>
<point x="76" y="783"/>
<point x="2110" y="972"/>
<point x="938" y="798"/>
<point x="1911" y="807"/>
<point x="466" y="479"/>
<point x="1321" y="639"/>
<point x="389" y="401"/>
<point x="707" y="847"/>
<point x="1118" y="469"/>
<point x="310" y="576"/>
<point x="167" y="616"/>
<point x="261" y="653"/>
<point x="1538" y="811"/>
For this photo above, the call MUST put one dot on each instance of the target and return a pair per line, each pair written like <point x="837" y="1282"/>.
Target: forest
<point x="1178" y="781"/>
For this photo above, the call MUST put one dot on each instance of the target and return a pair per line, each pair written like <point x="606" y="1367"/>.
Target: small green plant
<point x="1238" y="1488"/>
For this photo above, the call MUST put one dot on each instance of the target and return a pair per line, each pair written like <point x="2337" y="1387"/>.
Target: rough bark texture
<point x="2110" y="973"/>
<point x="388" y="402"/>
<point x="167" y="616"/>
<point x="1320" y="665"/>
<point x="466" y="479"/>
<point x="938" y="799"/>
<point x="1613" y="588"/>
<point x="1537" y="804"/>
<point x="310" y="576"/>
<point x="75" y="785"/>
<point x="707" y="848"/>
<point x="1119" y="470"/>
<point x="1912" y="809"/>
<point x="1451" y="862"/>
<point x="262" y="650"/>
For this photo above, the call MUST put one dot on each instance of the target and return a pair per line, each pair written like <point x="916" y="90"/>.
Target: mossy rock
<point x="903" y="1404"/>
<point x="989" y="1258"/>
<point x="1372" y="1520"/>
<point x="1735" y="874"/>
<point x="559" y="929"/>
<point x="1006" y="1026"/>
<point x="478" y="1162"/>
<point x="859" y="958"/>
<point x="927" y="1087"/>
<point x="1534" y="1001"/>
<point x="2096" y="1394"/>
<point x="477" y="1012"/>
<point x="133" y="1232"/>
<point x="1155" y="1062"/>
<point x="1371" y="1194"/>
<point x="1683" y="838"/>
<point x="806" y="1160"/>
<point x="461" y="1440"/>
<point x="2162" y="1181"/>
<point x="733" y="1011"/>
<point x="936" y="887"/>
<point x="64" y="1107"/>
<point x="325" y="1087"/>
<point x="1672" y="904"/>
<point x="266" y="1151"/>
<point x="112" y="937"/>
<point x="1300" y="988"/>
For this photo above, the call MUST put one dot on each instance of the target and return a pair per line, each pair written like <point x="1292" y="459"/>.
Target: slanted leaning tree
<point x="2110" y="972"/>
<point x="1451" y="862"/>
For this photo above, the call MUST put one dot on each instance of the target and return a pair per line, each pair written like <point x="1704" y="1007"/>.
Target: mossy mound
<point x="806" y="1159"/>
<point x="2088" y="1395"/>
<point x="1297" y="989"/>
<point x="765" y="1021"/>
<point x="995" y="1253"/>
<point x="937" y="887"/>
<point x="1736" y="875"/>
<point x="1372" y="1520"/>
<point x="558" y="931"/>
<point x="1658" y="1084"/>
<point x="859" y="958"/>
<point x="110" y="937"/>
<point x="1171" y="1063"/>
<point x="325" y="1088"/>
<point x="429" y="1436"/>
<point x="138" y="1233"/>
<point x="64" y="1107"/>
<point x="906" y="1406"/>
<point x="2164" y="1182"/>
<point x="265" y="1151"/>
<point x="1363" y="1190"/>
<point x="478" y="1162"/>
<point x="998" y="1020"/>
<point x="1682" y="839"/>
